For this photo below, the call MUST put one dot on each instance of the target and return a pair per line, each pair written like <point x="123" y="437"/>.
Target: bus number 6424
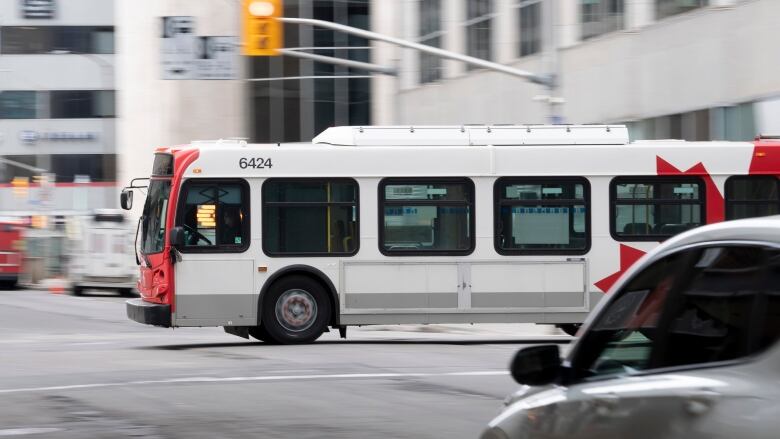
<point x="256" y="163"/>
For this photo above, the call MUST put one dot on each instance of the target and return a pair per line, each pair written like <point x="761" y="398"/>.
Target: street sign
<point x="185" y="55"/>
<point x="178" y="47"/>
<point x="217" y="58"/>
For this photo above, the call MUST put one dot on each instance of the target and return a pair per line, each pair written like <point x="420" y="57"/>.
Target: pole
<point x="23" y="166"/>
<point x="341" y="62"/>
<point x="531" y="77"/>
<point x="552" y="86"/>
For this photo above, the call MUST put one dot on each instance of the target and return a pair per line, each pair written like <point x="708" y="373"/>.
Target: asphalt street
<point x="75" y="367"/>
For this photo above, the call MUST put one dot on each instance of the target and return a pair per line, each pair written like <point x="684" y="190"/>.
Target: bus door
<point x="214" y="273"/>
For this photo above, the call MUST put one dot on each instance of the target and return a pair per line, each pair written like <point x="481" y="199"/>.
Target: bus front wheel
<point x="296" y="309"/>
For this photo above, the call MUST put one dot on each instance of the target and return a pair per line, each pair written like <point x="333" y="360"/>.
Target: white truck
<point x="100" y="253"/>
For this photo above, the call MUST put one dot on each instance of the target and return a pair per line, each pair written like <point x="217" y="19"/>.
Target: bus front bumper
<point x="149" y="313"/>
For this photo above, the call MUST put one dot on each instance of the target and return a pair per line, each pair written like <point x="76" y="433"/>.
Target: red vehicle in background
<point x="11" y="246"/>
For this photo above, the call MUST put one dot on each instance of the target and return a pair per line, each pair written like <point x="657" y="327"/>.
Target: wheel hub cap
<point x="296" y="310"/>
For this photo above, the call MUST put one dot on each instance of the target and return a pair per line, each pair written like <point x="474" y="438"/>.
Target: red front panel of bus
<point x="156" y="281"/>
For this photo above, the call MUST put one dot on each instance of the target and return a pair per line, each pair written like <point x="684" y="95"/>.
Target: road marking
<point x="26" y="431"/>
<point x="185" y="380"/>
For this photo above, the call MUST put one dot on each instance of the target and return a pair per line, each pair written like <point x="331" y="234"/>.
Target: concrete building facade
<point x="57" y="105"/>
<point x="693" y="69"/>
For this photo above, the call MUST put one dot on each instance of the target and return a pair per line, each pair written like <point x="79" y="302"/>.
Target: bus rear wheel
<point x="260" y="333"/>
<point x="296" y="309"/>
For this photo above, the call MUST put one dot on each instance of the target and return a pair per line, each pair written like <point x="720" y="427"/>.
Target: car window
<point x="767" y="330"/>
<point x="709" y="320"/>
<point x="620" y="341"/>
<point x="698" y="306"/>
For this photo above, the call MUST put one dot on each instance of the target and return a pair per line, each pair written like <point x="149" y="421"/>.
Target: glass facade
<point x="601" y="17"/>
<point x="735" y="123"/>
<point x="667" y="8"/>
<point x="26" y="40"/>
<point x="431" y="35"/>
<point x="296" y="99"/>
<point x="57" y="104"/>
<point x="530" y="27"/>
<point x="479" y="20"/>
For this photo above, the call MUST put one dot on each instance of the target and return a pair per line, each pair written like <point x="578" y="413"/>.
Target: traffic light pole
<point x="23" y="166"/>
<point x="547" y="81"/>
<point x="340" y="61"/>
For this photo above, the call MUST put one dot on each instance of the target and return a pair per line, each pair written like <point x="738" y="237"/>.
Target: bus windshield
<point x="153" y="219"/>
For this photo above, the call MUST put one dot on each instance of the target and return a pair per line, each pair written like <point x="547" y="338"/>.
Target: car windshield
<point x="153" y="219"/>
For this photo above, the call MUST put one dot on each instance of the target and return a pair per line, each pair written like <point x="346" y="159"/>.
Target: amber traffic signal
<point x="261" y="28"/>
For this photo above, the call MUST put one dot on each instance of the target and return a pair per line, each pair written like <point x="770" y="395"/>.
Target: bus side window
<point x="214" y="216"/>
<point x="542" y="215"/>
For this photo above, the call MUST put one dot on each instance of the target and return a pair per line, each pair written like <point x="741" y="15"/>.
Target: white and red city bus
<point x="388" y="225"/>
<point x="11" y="246"/>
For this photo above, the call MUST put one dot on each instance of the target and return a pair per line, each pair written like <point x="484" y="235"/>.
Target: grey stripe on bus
<point x="401" y="300"/>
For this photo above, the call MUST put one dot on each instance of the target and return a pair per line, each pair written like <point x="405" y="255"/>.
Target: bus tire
<point x="259" y="332"/>
<point x="296" y="309"/>
<point x="76" y="290"/>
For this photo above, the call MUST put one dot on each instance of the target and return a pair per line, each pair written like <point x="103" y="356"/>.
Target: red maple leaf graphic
<point x="715" y="207"/>
<point x="628" y="255"/>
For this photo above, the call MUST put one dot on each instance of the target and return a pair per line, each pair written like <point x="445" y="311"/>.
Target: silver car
<point x="683" y="347"/>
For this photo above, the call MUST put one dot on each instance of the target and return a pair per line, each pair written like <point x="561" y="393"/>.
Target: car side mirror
<point x="536" y="365"/>
<point x="126" y="199"/>
<point x="177" y="237"/>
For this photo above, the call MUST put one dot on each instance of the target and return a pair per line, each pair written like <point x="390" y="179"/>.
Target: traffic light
<point x="262" y="31"/>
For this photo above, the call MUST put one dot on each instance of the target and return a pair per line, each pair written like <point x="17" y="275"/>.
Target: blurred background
<point x="89" y="88"/>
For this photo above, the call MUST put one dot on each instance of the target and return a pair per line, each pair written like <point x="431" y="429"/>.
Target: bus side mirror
<point x="126" y="199"/>
<point x="536" y="365"/>
<point x="177" y="237"/>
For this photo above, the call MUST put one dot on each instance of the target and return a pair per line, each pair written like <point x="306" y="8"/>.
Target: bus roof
<point x="528" y="150"/>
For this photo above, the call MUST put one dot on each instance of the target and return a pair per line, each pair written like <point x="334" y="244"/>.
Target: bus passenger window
<point x="427" y="216"/>
<point x="214" y="216"/>
<point x="655" y="208"/>
<point x="310" y="217"/>
<point x="749" y="196"/>
<point x="539" y="216"/>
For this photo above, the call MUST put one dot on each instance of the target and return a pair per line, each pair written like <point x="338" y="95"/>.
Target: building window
<point x="22" y="40"/>
<point x="601" y="16"/>
<point x="84" y="167"/>
<point x="215" y="215"/>
<point x="309" y="217"/>
<point x="426" y="216"/>
<point x="667" y="8"/>
<point x="655" y="208"/>
<point x="18" y="105"/>
<point x="479" y="17"/>
<point x="547" y="215"/>
<point x="80" y="104"/>
<point x="530" y="27"/>
<point x="430" y="35"/>
<point x="752" y="196"/>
